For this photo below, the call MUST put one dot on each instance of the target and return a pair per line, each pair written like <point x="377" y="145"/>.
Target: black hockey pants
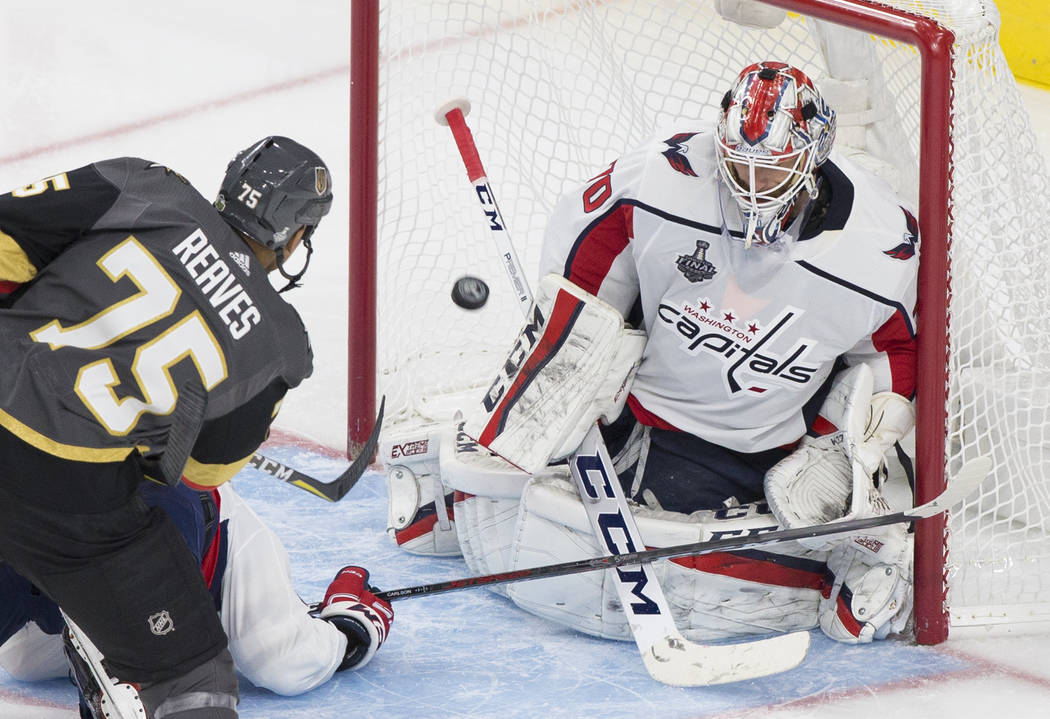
<point x="80" y="532"/>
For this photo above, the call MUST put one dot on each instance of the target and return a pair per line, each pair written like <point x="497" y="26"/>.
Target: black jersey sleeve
<point x="38" y="221"/>
<point x="226" y="443"/>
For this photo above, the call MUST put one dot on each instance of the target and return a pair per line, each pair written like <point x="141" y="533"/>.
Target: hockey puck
<point x="470" y="293"/>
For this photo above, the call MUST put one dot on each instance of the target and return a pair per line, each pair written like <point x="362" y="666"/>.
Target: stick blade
<point x="960" y="486"/>
<point x="678" y="662"/>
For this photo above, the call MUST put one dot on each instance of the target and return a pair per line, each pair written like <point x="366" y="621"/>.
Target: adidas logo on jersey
<point x="241" y="260"/>
<point x="219" y="284"/>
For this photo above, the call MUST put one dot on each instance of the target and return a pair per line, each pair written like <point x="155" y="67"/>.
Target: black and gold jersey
<point x="132" y="284"/>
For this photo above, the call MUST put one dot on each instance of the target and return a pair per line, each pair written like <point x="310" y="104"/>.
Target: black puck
<point x="470" y="293"/>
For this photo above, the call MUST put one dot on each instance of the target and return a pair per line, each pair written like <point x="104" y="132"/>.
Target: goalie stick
<point x="668" y="656"/>
<point x="332" y="490"/>
<point x="965" y="481"/>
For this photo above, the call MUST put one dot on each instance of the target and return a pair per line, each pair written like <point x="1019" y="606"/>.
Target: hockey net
<point x="560" y="88"/>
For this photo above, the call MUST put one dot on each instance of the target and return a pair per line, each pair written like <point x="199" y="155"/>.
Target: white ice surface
<point x="188" y="84"/>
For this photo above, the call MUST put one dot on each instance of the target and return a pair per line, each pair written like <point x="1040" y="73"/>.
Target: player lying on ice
<point x="144" y="341"/>
<point x="275" y="639"/>
<point x="736" y="304"/>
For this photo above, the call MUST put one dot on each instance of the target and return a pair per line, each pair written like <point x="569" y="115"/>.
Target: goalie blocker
<point x="572" y="364"/>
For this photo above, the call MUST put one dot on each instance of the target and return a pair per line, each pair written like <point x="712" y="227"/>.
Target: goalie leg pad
<point x="486" y="528"/>
<point x="712" y="597"/>
<point x="733" y="595"/>
<point x="487" y="492"/>
<point x="420" y="516"/>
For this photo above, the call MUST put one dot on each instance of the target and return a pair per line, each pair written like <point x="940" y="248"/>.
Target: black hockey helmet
<point x="272" y="189"/>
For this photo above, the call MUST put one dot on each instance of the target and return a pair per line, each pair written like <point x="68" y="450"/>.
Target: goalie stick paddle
<point x="965" y="481"/>
<point x="668" y="656"/>
<point x="335" y="489"/>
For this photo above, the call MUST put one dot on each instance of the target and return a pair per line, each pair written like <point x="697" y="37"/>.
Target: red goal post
<point x="530" y="125"/>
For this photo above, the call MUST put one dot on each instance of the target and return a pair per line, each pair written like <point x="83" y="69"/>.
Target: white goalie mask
<point x="775" y="131"/>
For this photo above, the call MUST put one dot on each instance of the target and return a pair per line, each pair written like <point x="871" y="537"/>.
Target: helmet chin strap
<point x="293" y="280"/>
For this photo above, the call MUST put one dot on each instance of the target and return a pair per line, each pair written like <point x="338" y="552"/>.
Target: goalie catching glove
<point x="352" y="606"/>
<point x="831" y="478"/>
<point x="572" y="363"/>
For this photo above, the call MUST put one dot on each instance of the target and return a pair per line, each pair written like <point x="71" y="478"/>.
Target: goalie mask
<point x="775" y="131"/>
<point x="271" y="190"/>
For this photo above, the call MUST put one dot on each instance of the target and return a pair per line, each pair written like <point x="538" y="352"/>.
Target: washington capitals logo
<point x="675" y="153"/>
<point x="696" y="267"/>
<point x="906" y="249"/>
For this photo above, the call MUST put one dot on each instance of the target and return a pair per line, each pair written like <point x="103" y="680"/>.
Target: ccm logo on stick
<point x="613" y="527"/>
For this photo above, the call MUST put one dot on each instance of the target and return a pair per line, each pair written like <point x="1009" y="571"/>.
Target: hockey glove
<point x="351" y="605"/>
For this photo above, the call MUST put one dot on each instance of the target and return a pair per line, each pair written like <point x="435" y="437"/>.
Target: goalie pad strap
<point x="572" y="363"/>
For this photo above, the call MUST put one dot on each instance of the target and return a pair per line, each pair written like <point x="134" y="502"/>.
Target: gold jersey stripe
<point x="208" y="476"/>
<point x="58" y="449"/>
<point x="14" y="264"/>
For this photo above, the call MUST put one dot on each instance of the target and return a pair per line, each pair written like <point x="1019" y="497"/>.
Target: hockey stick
<point x="965" y="481"/>
<point x="668" y="656"/>
<point x="186" y="420"/>
<point x="335" y="489"/>
<point x="452" y="114"/>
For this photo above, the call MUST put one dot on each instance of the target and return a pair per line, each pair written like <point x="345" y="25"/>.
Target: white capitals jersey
<point x="740" y="339"/>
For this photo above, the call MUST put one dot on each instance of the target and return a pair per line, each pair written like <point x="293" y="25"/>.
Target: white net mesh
<point x="559" y="89"/>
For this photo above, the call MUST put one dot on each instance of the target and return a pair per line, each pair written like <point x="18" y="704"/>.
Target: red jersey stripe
<point x="596" y="250"/>
<point x="783" y="573"/>
<point x="896" y="340"/>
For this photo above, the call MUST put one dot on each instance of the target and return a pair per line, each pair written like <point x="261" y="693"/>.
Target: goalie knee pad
<point x="487" y="492"/>
<point x="552" y="526"/>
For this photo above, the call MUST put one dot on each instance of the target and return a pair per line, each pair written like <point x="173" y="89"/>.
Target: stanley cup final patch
<point x="696" y="267"/>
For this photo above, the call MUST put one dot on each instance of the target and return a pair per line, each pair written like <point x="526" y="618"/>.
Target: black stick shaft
<point x="335" y="489"/>
<point x="966" y="480"/>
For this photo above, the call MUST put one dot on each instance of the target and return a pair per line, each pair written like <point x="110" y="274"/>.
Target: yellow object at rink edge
<point x="1023" y="36"/>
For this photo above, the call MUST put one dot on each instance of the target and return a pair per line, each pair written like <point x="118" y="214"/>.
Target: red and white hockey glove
<point x="351" y="605"/>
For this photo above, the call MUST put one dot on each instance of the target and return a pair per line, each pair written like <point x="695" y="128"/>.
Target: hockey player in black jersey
<point x="145" y="341"/>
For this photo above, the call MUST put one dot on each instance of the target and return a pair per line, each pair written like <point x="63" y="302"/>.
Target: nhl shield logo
<point x="161" y="623"/>
<point x="695" y="267"/>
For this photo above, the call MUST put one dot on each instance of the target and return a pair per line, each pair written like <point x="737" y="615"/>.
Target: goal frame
<point x="934" y="43"/>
